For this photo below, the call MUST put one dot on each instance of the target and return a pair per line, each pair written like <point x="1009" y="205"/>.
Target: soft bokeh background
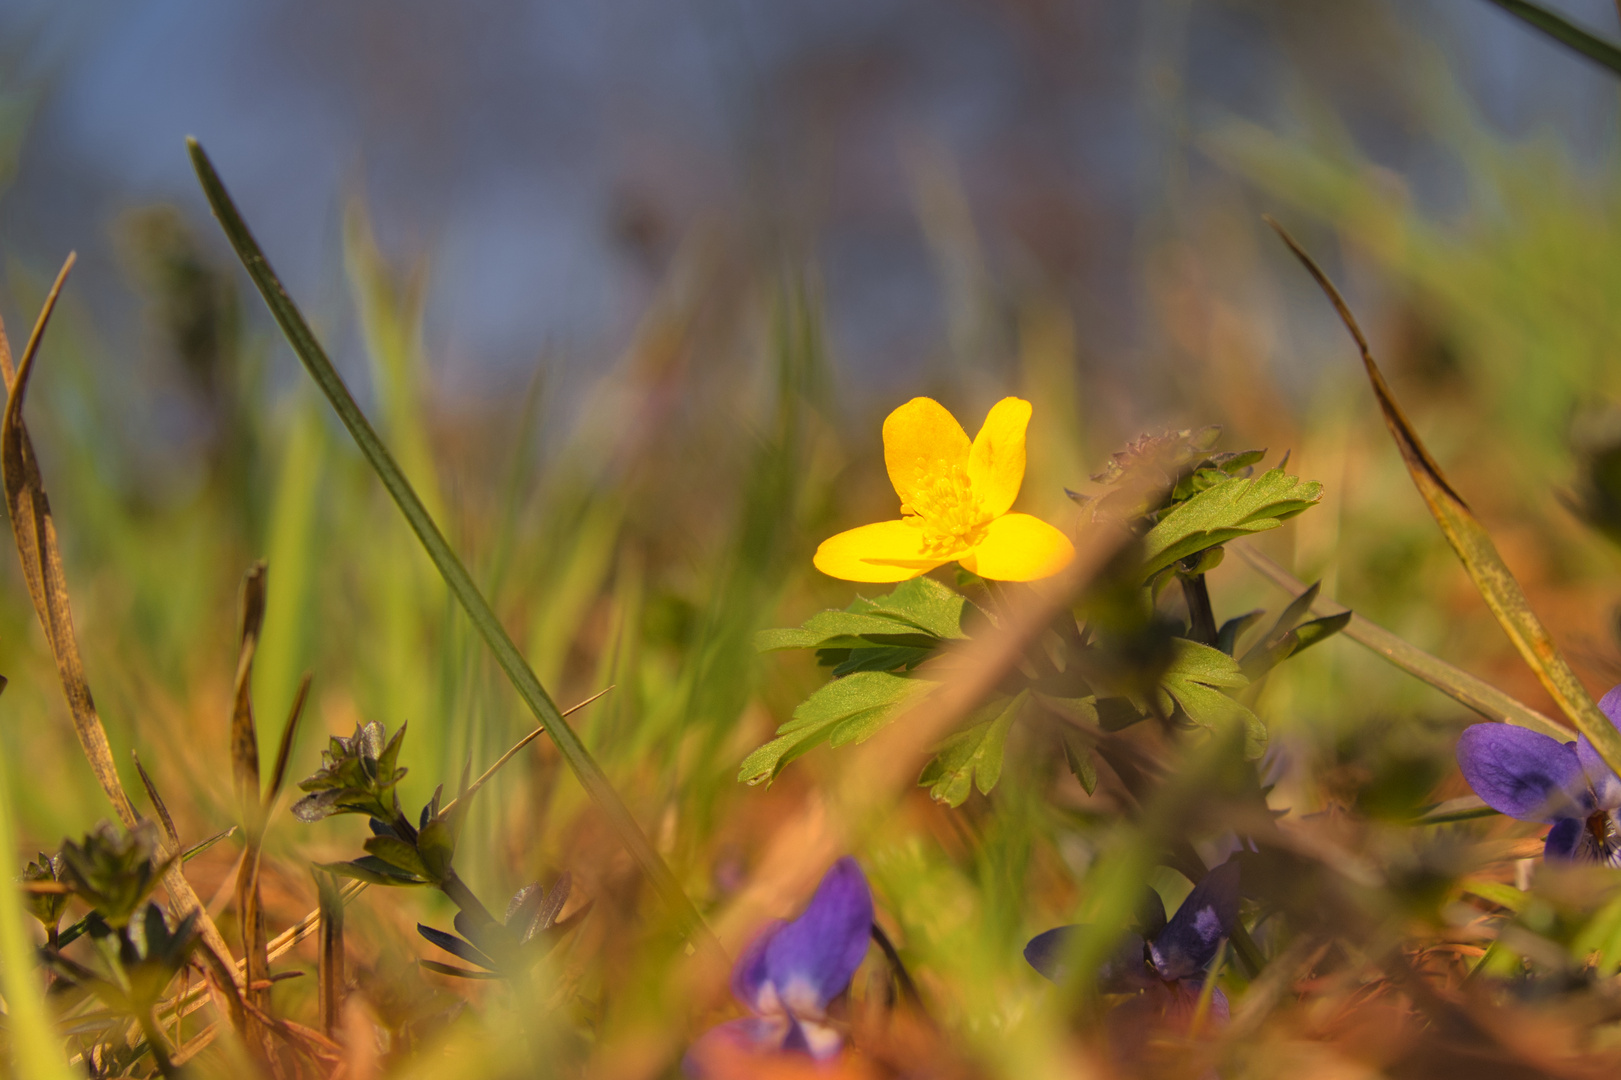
<point x="629" y="288"/>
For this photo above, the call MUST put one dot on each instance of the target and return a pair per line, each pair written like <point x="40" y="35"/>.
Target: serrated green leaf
<point x="1191" y="660"/>
<point x="1232" y="508"/>
<point x="785" y="638"/>
<point x="972" y="757"/>
<point x="831" y="624"/>
<point x="925" y="602"/>
<point x="1193" y="680"/>
<point x="845" y="710"/>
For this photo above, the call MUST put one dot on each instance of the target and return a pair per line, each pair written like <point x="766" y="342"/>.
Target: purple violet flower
<point x="790" y="973"/>
<point x="1528" y="775"/>
<point x="1160" y="959"/>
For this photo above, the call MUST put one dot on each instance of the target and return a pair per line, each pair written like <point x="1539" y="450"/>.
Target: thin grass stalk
<point x="1473" y="544"/>
<point x="314" y="358"/>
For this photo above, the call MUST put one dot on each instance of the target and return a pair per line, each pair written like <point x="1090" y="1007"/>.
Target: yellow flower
<point x="955" y="502"/>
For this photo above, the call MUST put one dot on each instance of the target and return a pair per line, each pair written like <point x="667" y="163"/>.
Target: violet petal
<point x="1610" y="705"/>
<point x="1600" y="777"/>
<point x="1045" y="951"/>
<point x="1522" y="773"/>
<point x="1124" y="972"/>
<point x="1192" y="936"/>
<point x="749" y="974"/>
<point x="1563" y="839"/>
<point x="812" y="959"/>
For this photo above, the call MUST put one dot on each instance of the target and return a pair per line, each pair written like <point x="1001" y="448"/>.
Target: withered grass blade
<point x="1453" y="681"/>
<point x="158" y="805"/>
<point x="244" y="735"/>
<point x="1474" y="546"/>
<point x="245" y="774"/>
<point x="331" y="951"/>
<point x="289" y="735"/>
<point x="41" y="559"/>
<point x="35" y="533"/>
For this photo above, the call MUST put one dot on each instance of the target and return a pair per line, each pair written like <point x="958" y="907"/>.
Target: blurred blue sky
<point x="546" y="157"/>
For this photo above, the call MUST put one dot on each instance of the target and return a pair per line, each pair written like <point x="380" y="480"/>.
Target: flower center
<point x="1601" y="842"/>
<point x="945" y="506"/>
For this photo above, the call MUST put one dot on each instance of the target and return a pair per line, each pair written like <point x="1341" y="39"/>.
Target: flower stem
<point x="1202" y="615"/>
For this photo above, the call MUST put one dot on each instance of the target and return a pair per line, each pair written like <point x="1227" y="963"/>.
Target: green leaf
<point x="398" y="854"/>
<point x="1233" y="629"/>
<point x="309" y="351"/>
<point x="845" y="710"/>
<point x="971" y="758"/>
<point x="1233" y="508"/>
<point x="373" y="871"/>
<point x="436" y="845"/>
<point x="925" y="602"/>
<point x="1309" y="634"/>
<point x="1078" y="756"/>
<point x="1195" y="680"/>
<point x="881" y="658"/>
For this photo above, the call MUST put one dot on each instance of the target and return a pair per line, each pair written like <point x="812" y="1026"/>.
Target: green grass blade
<point x="1486" y="568"/>
<point x="36" y="1049"/>
<point x="315" y="361"/>
<point x="1452" y="681"/>
<point x="1565" y="32"/>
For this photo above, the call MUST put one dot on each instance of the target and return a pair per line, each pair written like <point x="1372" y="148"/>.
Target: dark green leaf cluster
<point x="46" y="892"/>
<point x="358" y="776"/>
<point x="400" y="853"/>
<point x="113" y="871"/>
<point x="506" y="949"/>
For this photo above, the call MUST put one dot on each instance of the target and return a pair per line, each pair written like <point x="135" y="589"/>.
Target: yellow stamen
<point x="945" y="506"/>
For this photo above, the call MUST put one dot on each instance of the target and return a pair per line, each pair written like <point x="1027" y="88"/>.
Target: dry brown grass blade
<point x="289" y="734"/>
<point x="245" y="774"/>
<point x="41" y="559"/>
<point x="1473" y="544"/>
<point x="244" y="735"/>
<point x="158" y="805"/>
<point x="331" y="952"/>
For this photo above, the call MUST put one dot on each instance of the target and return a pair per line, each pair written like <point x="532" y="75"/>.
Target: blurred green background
<point x="629" y="292"/>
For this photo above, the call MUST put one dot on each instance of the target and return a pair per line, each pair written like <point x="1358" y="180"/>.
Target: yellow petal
<point x="922" y="441"/>
<point x="1018" y="547"/>
<point x="885" y="551"/>
<point x="996" y="462"/>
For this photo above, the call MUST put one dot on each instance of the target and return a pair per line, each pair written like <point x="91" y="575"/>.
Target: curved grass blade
<point x="461" y="584"/>
<point x="1565" y="32"/>
<point x="35" y="532"/>
<point x="1454" y="682"/>
<point x="1474" y="546"/>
